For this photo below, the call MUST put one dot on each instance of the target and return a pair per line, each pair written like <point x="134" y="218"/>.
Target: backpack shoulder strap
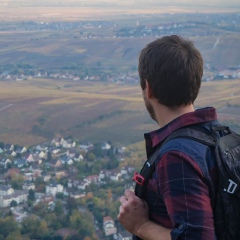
<point x="191" y="132"/>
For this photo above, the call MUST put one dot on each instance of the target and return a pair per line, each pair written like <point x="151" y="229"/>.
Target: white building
<point x="108" y="226"/>
<point x="8" y="194"/>
<point x="53" y="189"/>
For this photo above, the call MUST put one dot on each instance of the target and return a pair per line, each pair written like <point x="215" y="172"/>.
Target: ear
<point x="148" y="89"/>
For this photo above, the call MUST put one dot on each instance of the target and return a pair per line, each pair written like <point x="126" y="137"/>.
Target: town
<point x="54" y="179"/>
<point x="83" y="33"/>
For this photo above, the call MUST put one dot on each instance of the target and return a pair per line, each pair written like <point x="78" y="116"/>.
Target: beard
<point x="150" y="109"/>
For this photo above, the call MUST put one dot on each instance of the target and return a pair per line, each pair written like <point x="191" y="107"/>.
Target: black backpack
<point x="226" y="203"/>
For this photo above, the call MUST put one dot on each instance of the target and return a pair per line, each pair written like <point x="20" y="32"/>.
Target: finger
<point x="129" y="194"/>
<point x="123" y="199"/>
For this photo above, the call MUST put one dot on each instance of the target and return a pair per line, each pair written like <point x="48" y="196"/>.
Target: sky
<point x="122" y="3"/>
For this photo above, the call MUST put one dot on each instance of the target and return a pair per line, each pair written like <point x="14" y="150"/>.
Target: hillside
<point x="54" y="51"/>
<point x="113" y="44"/>
<point x="35" y="110"/>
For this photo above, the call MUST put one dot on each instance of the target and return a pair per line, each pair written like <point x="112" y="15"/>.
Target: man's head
<point x="173" y="68"/>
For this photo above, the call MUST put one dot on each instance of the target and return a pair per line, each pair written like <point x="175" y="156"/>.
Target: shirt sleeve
<point x="186" y="196"/>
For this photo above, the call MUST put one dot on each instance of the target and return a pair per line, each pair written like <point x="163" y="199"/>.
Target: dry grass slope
<point x="35" y="110"/>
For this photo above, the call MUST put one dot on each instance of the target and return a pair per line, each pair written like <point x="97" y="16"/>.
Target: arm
<point x="133" y="215"/>
<point x="186" y="195"/>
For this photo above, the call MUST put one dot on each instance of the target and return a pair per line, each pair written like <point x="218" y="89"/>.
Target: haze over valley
<point x="91" y="48"/>
<point x="72" y="117"/>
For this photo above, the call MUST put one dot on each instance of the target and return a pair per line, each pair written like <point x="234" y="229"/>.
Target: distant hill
<point x="49" y="51"/>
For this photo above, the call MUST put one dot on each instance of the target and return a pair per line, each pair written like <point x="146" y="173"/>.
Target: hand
<point x="133" y="212"/>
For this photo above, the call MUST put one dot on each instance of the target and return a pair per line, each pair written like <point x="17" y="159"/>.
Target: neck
<point x="165" y="115"/>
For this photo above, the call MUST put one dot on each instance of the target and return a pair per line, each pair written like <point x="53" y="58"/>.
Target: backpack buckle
<point x="139" y="179"/>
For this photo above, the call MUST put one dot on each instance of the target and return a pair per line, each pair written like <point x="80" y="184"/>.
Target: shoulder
<point x="189" y="147"/>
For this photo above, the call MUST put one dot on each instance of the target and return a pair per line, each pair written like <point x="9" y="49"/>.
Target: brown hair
<point x="173" y="68"/>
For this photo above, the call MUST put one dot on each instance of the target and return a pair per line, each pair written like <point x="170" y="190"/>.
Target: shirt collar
<point x="202" y="115"/>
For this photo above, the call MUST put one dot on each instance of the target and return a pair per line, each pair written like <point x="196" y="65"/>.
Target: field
<point x="36" y="110"/>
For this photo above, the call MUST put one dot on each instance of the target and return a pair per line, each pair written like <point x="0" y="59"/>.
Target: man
<point x="179" y="199"/>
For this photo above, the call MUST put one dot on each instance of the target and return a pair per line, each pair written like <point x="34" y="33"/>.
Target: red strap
<point x="139" y="179"/>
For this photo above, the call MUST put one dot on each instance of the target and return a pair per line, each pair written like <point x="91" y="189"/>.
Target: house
<point x="27" y="185"/>
<point x="34" y="168"/>
<point x="71" y="152"/>
<point x="115" y="176"/>
<point x="8" y="147"/>
<point x="105" y="174"/>
<point x="21" y="150"/>
<point x="53" y="189"/>
<point x="28" y="176"/>
<point x="106" y="146"/>
<point x="13" y="154"/>
<point x="13" y="171"/>
<point x="43" y="147"/>
<point x="72" y="171"/>
<point x="92" y="179"/>
<point x="47" y="199"/>
<point x="20" y="162"/>
<point x="5" y="162"/>
<point x="37" y="159"/>
<point x="6" y="190"/>
<point x="66" y="160"/>
<point x="126" y="172"/>
<point x="13" y="195"/>
<point x="42" y="154"/>
<point x="127" y="169"/>
<point x="56" y="142"/>
<point x="108" y="226"/>
<point x="86" y="146"/>
<point x="124" y="236"/>
<point x="79" y="184"/>
<point x="55" y="150"/>
<point x="30" y="158"/>
<point x="78" y="158"/>
<point x="61" y="174"/>
<point x="46" y="176"/>
<point x="2" y="179"/>
<point x="68" y="143"/>
<point x="76" y="195"/>
<point x="55" y="163"/>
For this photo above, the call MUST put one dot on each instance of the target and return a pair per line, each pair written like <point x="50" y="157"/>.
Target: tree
<point x="2" y="145"/>
<point x="71" y="204"/>
<point x="40" y="184"/>
<point x="8" y="226"/>
<point x="13" y="203"/>
<point x="31" y="195"/>
<point x="34" y="227"/>
<point x="58" y="209"/>
<point x="17" y="181"/>
<point x="53" y="221"/>
<point x="60" y="195"/>
<point x="91" y="157"/>
<point x="40" y="209"/>
<point x="16" y="236"/>
<point x="49" y="156"/>
<point x="75" y="220"/>
<point x="98" y="150"/>
<point x="82" y="222"/>
<point x="29" y="224"/>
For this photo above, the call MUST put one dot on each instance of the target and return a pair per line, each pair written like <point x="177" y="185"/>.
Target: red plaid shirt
<point x="178" y="194"/>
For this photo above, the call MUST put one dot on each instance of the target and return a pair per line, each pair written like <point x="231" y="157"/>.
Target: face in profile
<point x="149" y="108"/>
